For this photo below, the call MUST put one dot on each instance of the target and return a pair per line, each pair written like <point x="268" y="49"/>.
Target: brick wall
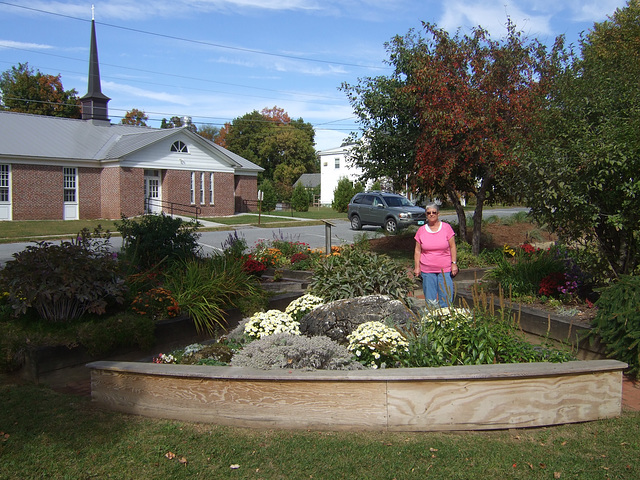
<point x="37" y="192"/>
<point x="131" y="191"/>
<point x="246" y="190"/>
<point x="110" y="193"/>
<point x="89" y="192"/>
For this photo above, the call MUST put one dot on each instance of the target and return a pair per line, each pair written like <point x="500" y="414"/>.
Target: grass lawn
<point x="25" y="231"/>
<point x="44" y="434"/>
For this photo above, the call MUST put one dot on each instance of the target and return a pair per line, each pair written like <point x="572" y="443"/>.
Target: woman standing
<point x="435" y="258"/>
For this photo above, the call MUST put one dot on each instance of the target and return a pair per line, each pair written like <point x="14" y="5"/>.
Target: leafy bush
<point x="343" y="193"/>
<point x="121" y="330"/>
<point x="618" y="321"/>
<point x="155" y="238"/>
<point x="300" y="199"/>
<point x="283" y="350"/>
<point x="62" y="282"/>
<point x="456" y="337"/>
<point x="522" y="276"/>
<point x="234" y="246"/>
<point x="354" y="273"/>
<point x="270" y="198"/>
<point x="204" y="288"/>
<point x="157" y="303"/>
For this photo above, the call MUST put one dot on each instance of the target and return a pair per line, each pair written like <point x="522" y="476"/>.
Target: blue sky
<point x="215" y="60"/>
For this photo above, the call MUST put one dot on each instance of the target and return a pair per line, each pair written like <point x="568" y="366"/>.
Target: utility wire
<point x="201" y="42"/>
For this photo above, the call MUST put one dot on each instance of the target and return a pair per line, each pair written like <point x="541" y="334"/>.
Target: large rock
<point x="338" y="319"/>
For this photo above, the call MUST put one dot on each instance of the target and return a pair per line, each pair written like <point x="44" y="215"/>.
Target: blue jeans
<point x="438" y="288"/>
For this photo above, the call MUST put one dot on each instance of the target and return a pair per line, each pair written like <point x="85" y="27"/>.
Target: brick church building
<point x="54" y="168"/>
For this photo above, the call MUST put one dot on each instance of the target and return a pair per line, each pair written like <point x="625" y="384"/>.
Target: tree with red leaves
<point x="476" y="102"/>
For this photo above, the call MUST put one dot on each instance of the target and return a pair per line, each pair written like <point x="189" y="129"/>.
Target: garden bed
<point x="415" y="399"/>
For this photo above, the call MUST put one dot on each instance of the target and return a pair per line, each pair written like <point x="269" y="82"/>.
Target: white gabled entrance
<point x="152" y="191"/>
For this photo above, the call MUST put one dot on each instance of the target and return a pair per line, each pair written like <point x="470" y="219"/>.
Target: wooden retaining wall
<point x="407" y="399"/>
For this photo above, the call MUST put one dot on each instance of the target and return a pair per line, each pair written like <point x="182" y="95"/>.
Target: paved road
<point x="211" y="242"/>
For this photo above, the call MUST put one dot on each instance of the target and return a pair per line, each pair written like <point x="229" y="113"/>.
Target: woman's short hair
<point x="432" y="205"/>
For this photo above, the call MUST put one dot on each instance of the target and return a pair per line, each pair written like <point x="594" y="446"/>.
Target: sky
<point x="216" y="60"/>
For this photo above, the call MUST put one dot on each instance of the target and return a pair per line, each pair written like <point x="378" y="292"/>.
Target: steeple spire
<point x="94" y="103"/>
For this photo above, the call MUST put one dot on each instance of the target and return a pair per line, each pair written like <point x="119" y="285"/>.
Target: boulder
<point x="338" y="319"/>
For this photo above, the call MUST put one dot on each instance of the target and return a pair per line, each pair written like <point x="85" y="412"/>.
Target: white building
<point x="334" y="166"/>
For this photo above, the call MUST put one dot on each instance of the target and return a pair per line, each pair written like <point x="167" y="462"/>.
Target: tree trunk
<point x="481" y="195"/>
<point x="462" y="217"/>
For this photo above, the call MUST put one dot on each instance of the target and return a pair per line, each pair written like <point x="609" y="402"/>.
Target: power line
<point x="201" y="42"/>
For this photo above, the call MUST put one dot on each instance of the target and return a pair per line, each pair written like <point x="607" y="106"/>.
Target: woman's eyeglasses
<point x="432" y="213"/>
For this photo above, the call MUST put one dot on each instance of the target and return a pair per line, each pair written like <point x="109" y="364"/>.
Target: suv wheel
<point x="390" y="225"/>
<point x="356" y="224"/>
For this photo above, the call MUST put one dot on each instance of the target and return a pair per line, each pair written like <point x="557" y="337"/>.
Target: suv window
<point x="367" y="200"/>
<point x="397" y="202"/>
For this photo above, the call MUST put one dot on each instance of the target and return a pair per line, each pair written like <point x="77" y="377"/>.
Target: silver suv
<point x="388" y="210"/>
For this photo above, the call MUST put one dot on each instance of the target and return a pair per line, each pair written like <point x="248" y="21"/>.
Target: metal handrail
<point x="172" y="207"/>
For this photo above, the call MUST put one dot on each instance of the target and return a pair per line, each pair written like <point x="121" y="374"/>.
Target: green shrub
<point x="343" y="193"/>
<point x="457" y="337"/>
<point x="522" y="275"/>
<point x="300" y="199"/>
<point x="62" y="282"/>
<point x="270" y="198"/>
<point x="122" y="330"/>
<point x="204" y="288"/>
<point x="618" y="321"/>
<point x="155" y="238"/>
<point x="282" y="350"/>
<point x="355" y="272"/>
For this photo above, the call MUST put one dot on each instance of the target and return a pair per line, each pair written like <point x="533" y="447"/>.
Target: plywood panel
<point x="507" y="403"/>
<point x="292" y="404"/>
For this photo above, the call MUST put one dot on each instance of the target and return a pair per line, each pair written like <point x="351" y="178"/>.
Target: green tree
<point x="24" y="90"/>
<point x="270" y="198"/>
<point x="583" y="167"/>
<point x="345" y="190"/>
<point x="270" y="139"/>
<point x="210" y="132"/>
<point x="457" y="106"/>
<point x="300" y="199"/>
<point x="135" y="117"/>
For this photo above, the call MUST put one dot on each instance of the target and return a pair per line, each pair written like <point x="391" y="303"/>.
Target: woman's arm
<point x="417" y="251"/>
<point x="454" y="256"/>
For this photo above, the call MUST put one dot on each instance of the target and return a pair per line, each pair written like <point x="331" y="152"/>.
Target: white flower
<point x="299" y="307"/>
<point x="263" y="324"/>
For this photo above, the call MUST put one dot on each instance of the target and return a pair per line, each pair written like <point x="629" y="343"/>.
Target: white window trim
<point x="211" y="183"/>
<point x="202" y="192"/>
<point x="193" y="188"/>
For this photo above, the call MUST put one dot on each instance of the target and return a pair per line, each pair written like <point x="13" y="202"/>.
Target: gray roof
<point x="309" y="180"/>
<point x="42" y="137"/>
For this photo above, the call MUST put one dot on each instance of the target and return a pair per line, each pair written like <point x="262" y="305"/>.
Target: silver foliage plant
<point x="283" y="350"/>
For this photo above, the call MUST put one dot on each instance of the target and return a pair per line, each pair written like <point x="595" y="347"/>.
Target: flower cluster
<point x="298" y="257"/>
<point x="375" y="344"/>
<point x="157" y="302"/>
<point x="449" y="318"/>
<point x="508" y="251"/>
<point x="164" y="358"/>
<point x="299" y="307"/>
<point x="528" y="248"/>
<point x="551" y="284"/>
<point x="263" y="324"/>
<point x="253" y="266"/>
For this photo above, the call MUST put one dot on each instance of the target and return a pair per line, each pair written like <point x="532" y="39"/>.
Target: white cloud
<point x="142" y="93"/>
<point x="492" y="15"/>
<point x="30" y="46"/>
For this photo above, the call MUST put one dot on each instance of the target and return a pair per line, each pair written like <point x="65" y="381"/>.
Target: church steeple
<point x="94" y="103"/>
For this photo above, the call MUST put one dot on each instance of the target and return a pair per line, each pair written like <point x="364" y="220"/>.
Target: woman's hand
<point x="454" y="269"/>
